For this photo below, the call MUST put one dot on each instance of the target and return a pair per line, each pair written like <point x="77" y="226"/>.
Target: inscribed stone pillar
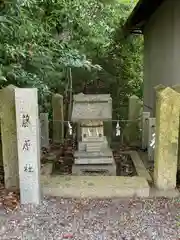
<point x="28" y="144"/>
<point x="167" y="130"/>
<point x="44" y="126"/>
<point x="151" y="131"/>
<point x="9" y="138"/>
<point x="145" y="116"/>
<point x="177" y="89"/>
<point x="58" y="118"/>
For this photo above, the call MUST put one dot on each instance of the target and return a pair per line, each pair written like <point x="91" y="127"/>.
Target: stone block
<point x="95" y="187"/>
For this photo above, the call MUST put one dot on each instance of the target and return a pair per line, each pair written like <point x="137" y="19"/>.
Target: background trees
<point x="50" y="44"/>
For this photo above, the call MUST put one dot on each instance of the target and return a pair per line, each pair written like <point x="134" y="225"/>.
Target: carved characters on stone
<point x="28" y="168"/>
<point x="25" y="120"/>
<point x="26" y="145"/>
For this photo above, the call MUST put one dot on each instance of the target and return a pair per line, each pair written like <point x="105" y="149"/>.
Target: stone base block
<point x="100" y="169"/>
<point x="94" y="186"/>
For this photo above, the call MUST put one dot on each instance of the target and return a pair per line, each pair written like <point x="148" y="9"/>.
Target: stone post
<point x="58" y="118"/>
<point x="166" y="143"/>
<point x="145" y="117"/>
<point x="44" y="126"/>
<point x="27" y="120"/>
<point x="9" y="138"/>
<point x="151" y="131"/>
<point x="132" y="130"/>
<point x="134" y="109"/>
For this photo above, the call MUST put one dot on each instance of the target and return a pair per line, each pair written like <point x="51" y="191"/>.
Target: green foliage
<point x="41" y="39"/>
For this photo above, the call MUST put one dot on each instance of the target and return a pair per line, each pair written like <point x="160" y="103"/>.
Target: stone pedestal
<point x="94" y="155"/>
<point x="9" y="137"/>
<point x="44" y="123"/>
<point x="167" y="131"/>
<point x="58" y="118"/>
<point x="145" y="117"/>
<point x="27" y="121"/>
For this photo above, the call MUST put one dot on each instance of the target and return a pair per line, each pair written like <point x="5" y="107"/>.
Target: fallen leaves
<point x="8" y="200"/>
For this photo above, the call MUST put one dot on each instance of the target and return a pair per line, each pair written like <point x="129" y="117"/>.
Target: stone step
<point x="93" y="148"/>
<point x="94" y="187"/>
<point x="95" y="160"/>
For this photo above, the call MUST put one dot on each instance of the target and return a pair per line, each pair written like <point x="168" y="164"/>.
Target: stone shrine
<point x="93" y="153"/>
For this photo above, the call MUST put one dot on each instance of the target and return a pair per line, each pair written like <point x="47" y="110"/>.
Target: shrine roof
<point x="140" y="15"/>
<point x="92" y="107"/>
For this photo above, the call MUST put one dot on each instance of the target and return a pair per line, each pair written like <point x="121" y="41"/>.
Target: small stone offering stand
<point x="94" y="153"/>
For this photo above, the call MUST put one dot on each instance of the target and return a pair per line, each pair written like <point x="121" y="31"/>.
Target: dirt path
<point x="116" y="219"/>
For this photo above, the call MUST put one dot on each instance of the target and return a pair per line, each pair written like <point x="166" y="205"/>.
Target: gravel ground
<point x="95" y="219"/>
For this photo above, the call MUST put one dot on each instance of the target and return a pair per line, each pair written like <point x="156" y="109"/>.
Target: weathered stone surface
<point x="92" y="107"/>
<point x="101" y="157"/>
<point x="145" y="117"/>
<point x="58" y="118"/>
<point x="89" y="111"/>
<point x="132" y="131"/>
<point x="9" y="137"/>
<point x="159" y="87"/>
<point x="27" y="120"/>
<point x="134" y="109"/>
<point x="151" y="131"/>
<point x="177" y="89"/>
<point x="95" y="187"/>
<point x="167" y="130"/>
<point x="44" y="126"/>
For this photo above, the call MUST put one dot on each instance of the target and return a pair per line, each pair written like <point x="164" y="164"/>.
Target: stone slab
<point x="84" y="146"/>
<point x="109" y="169"/>
<point x="94" y="187"/>
<point x="105" y="153"/>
